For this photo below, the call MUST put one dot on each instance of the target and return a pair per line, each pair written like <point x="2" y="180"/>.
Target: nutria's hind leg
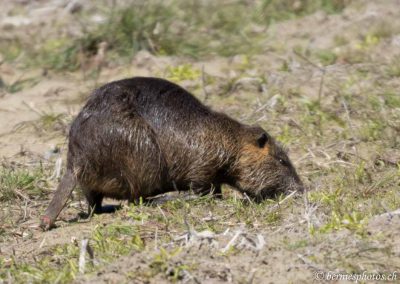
<point x="94" y="200"/>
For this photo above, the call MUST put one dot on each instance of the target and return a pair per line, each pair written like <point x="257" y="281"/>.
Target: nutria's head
<point x="263" y="169"/>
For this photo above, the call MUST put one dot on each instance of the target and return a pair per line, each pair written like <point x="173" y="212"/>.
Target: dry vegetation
<point x="322" y="76"/>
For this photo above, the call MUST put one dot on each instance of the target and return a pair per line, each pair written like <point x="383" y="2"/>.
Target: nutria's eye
<point x="262" y="140"/>
<point x="283" y="162"/>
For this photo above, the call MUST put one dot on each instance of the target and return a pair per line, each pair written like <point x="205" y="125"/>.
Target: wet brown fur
<point x="141" y="137"/>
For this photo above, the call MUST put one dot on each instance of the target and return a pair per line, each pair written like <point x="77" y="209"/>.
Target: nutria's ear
<point x="262" y="140"/>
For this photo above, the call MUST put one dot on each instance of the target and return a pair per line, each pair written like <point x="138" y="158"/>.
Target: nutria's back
<point x="164" y="105"/>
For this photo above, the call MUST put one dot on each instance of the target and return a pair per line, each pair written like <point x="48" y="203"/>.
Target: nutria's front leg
<point x="214" y="190"/>
<point x="95" y="200"/>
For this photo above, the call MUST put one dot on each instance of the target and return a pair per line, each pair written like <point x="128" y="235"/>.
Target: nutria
<point x="139" y="137"/>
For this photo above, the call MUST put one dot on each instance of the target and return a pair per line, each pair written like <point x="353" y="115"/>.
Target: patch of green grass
<point x="249" y="213"/>
<point x="372" y="130"/>
<point x="327" y="198"/>
<point x="115" y="240"/>
<point x="15" y="183"/>
<point x="43" y="271"/>
<point x="352" y="201"/>
<point x="317" y="118"/>
<point x="326" y="57"/>
<point x="342" y="211"/>
<point x="361" y="174"/>
<point x="59" y="56"/>
<point x="391" y="99"/>
<point x="367" y="42"/>
<point x="182" y="72"/>
<point x="353" y="221"/>
<point x="162" y="263"/>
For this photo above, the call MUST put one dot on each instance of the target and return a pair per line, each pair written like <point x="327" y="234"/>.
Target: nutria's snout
<point x="299" y="187"/>
<point x="292" y="186"/>
<point x="287" y="185"/>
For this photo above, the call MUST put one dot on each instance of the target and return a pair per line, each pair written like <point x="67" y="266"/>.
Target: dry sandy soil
<point x="342" y="132"/>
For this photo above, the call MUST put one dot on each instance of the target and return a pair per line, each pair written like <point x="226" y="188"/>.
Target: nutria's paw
<point x="46" y="223"/>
